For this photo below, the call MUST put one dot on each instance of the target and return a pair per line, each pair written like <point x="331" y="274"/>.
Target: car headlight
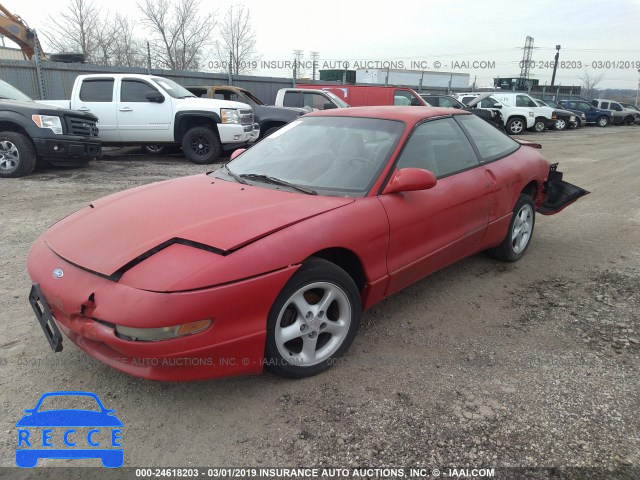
<point x="48" y="121"/>
<point x="584" y="117"/>
<point x="163" y="333"/>
<point x="229" y="115"/>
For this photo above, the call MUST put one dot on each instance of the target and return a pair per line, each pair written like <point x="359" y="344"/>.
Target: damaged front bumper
<point x="558" y="194"/>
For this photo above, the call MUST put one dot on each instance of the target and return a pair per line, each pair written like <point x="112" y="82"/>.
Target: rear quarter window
<point x="97" y="90"/>
<point x="490" y="142"/>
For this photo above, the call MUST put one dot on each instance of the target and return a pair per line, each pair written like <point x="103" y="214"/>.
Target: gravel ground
<point x="532" y="364"/>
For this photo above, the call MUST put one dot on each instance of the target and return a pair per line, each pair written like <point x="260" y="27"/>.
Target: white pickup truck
<point x="134" y="109"/>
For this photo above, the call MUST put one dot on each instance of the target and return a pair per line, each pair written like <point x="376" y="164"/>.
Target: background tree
<point x="590" y="83"/>
<point x="181" y="32"/>
<point x="238" y="37"/>
<point x="127" y="49"/>
<point x="75" y="29"/>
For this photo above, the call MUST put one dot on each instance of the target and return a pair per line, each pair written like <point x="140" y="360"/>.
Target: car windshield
<point x="541" y="103"/>
<point x="553" y="104"/>
<point x="10" y="92"/>
<point x="172" y="88"/>
<point x="337" y="156"/>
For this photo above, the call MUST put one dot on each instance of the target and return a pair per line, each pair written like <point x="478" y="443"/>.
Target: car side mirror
<point x="497" y="105"/>
<point x="154" y="96"/>
<point x="329" y="106"/>
<point x="409" y="180"/>
<point x="415" y="102"/>
<point x="236" y="153"/>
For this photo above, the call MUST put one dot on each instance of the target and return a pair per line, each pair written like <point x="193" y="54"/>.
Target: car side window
<point x="491" y="143"/>
<point x="604" y="105"/>
<point x="314" y="100"/>
<point x="404" y="97"/>
<point x="291" y="99"/>
<point x="135" y="91"/>
<point x="466" y="100"/>
<point x="488" y="103"/>
<point x="616" y="107"/>
<point x="439" y="146"/>
<point x="524" y="101"/>
<point x="97" y="90"/>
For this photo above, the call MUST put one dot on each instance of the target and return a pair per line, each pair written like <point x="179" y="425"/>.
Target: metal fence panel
<point x="59" y="78"/>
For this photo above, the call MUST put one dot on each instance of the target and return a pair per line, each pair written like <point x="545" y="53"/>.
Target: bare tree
<point x="181" y="31"/>
<point x="590" y="83"/>
<point x="105" y="39"/>
<point x="74" y="29"/>
<point x="238" y="38"/>
<point x="127" y="50"/>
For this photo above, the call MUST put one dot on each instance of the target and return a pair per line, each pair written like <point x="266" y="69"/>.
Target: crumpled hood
<point x="116" y="230"/>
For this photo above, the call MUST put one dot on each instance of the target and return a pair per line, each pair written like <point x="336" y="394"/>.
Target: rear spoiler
<point x="527" y="143"/>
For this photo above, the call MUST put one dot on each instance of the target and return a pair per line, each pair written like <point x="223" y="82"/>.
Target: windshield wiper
<point x="235" y="176"/>
<point x="277" y="181"/>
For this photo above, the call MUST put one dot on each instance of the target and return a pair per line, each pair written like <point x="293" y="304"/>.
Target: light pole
<point x="555" y="65"/>
<point x="638" y="89"/>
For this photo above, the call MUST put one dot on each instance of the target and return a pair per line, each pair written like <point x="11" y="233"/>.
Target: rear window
<point x="97" y="90"/>
<point x="491" y="143"/>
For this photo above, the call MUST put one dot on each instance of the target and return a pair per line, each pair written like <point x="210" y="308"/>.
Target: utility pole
<point x="555" y="65"/>
<point x="525" y="67"/>
<point x="314" y="60"/>
<point x="230" y="67"/>
<point x="449" y="87"/>
<point x="37" y="58"/>
<point x="296" y="67"/>
<point x="638" y="90"/>
<point x="148" y="59"/>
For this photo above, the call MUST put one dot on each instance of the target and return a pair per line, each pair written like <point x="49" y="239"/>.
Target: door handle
<point x="84" y="109"/>
<point x="126" y="109"/>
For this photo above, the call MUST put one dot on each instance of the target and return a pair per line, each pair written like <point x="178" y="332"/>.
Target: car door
<point x="139" y="119"/>
<point x="97" y="96"/>
<point x="430" y="229"/>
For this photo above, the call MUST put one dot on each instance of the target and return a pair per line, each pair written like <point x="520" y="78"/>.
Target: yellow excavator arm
<point x="16" y="30"/>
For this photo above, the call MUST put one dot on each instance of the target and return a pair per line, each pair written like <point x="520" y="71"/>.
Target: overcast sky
<point x="437" y="30"/>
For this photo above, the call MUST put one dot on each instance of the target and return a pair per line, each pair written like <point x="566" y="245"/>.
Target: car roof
<point x="409" y="114"/>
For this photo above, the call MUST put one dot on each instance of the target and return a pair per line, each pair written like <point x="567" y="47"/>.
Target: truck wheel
<point x="17" y="155"/>
<point x="539" y="126"/>
<point x="201" y="145"/>
<point x="154" y="149"/>
<point x="602" y="121"/>
<point x="515" y="126"/>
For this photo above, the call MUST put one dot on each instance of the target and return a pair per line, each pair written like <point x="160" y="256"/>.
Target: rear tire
<point x="17" y="155"/>
<point x="313" y="321"/>
<point x="154" y="149"/>
<point x="520" y="231"/>
<point x="201" y="145"/>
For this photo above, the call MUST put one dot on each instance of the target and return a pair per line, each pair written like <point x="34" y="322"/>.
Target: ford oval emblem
<point x="58" y="273"/>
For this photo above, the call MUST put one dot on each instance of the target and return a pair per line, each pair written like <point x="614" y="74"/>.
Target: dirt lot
<point x="482" y="364"/>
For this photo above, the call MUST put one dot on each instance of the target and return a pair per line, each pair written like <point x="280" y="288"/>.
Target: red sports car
<point x="270" y="260"/>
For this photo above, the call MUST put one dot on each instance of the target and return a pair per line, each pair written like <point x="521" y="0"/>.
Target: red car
<point x="270" y="260"/>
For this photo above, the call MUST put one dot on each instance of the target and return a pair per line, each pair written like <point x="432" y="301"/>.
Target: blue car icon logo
<point x="69" y="433"/>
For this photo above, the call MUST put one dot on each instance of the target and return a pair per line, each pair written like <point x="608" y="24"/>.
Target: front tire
<point x="520" y="231"/>
<point x="201" y="145"/>
<point x="602" y="121"/>
<point x="515" y="126"/>
<point x="540" y="126"/>
<point x="313" y="321"/>
<point x="560" y="124"/>
<point x="17" y="155"/>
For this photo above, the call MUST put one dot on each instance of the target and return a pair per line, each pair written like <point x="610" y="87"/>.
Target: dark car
<point x="563" y="118"/>
<point x="631" y="106"/>
<point x="581" y="117"/>
<point x="600" y="117"/>
<point x="30" y="131"/>
<point x="269" y="117"/>
<point x="491" y="116"/>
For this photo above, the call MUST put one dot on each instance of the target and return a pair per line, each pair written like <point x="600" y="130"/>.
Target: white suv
<point x="545" y="117"/>
<point x="514" y="119"/>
